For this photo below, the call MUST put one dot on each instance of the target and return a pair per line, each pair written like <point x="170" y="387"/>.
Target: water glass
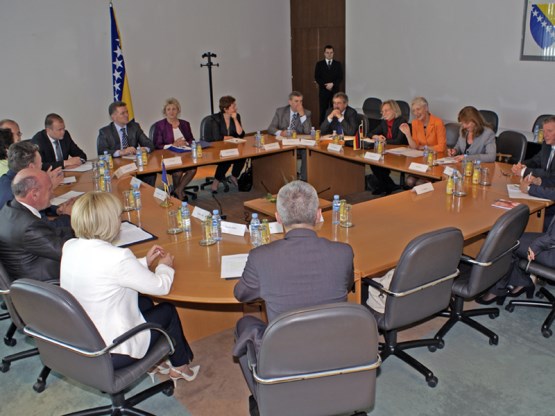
<point x="173" y="223"/>
<point x="128" y="201"/>
<point x="347" y="217"/>
<point x="484" y="177"/>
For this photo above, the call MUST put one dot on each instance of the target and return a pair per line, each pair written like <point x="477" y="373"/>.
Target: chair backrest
<point x="491" y="118"/>
<point x="497" y="249"/>
<point x="512" y="143"/>
<point x="207" y="126"/>
<point x="372" y="108"/>
<point x="5" y="285"/>
<point x="53" y="312"/>
<point x="405" y="109"/>
<point x="309" y="340"/>
<point x="426" y="259"/>
<point x="452" y="132"/>
<point x="539" y="121"/>
<point x="151" y="132"/>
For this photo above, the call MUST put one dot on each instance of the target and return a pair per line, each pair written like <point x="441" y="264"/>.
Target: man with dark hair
<point x="6" y="140"/>
<point x="328" y="74"/>
<point x="341" y="118"/>
<point x="13" y="126"/>
<point x="30" y="245"/>
<point x="56" y="147"/>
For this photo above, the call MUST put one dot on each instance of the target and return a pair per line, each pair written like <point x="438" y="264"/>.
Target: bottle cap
<point x="336" y="197"/>
<point x="215" y="212"/>
<point x="254" y="215"/>
<point x="184" y="204"/>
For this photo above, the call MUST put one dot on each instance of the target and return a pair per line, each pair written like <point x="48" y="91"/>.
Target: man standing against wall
<point x="328" y="75"/>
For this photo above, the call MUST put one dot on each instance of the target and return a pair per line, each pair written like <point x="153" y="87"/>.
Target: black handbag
<point x="244" y="181"/>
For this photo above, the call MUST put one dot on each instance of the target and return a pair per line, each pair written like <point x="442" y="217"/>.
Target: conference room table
<point x="381" y="229"/>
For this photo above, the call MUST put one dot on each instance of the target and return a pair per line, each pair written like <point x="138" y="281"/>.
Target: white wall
<point x="455" y="53"/>
<point x="57" y="59"/>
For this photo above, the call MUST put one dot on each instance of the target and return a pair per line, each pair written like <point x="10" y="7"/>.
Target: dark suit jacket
<point x="69" y="148"/>
<point x="349" y="124"/>
<point x="30" y="247"/>
<point x="219" y="130"/>
<point x="537" y="164"/>
<point x="398" y="136"/>
<point x="163" y="133"/>
<point x="108" y="138"/>
<point x="323" y="75"/>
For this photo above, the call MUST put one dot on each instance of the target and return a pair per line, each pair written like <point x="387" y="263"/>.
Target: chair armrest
<point x="251" y="356"/>
<point x="139" y="328"/>
<point x="470" y="260"/>
<point x="371" y="282"/>
<point x="415" y="289"/>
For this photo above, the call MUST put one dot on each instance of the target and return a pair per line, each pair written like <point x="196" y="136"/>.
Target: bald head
<point x="33" y="187"/>
<point x="13" y="126"/>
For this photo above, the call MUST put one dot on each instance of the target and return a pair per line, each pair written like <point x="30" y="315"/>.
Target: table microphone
<point x="222" y="216"/>
<point x="323" y="190"/>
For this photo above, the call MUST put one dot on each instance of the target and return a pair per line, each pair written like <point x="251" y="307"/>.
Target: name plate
<point x="308" y="142"/>
<point x="160" y="194"/>
<point x="69" y="179"/>
<point x="372" y="156"/>
<point x="334" y="147"/>
<point x="272" y="146"/>
<point x="200" y="213"/>
<point x="233" y="228"/>
<point x="135" y="182"/>
<point x="276" y="228"/>
<point x="422" y="189"/>
<point x="172" y="161"/>
<point x="229" y="152"/>
<point x="448" y="170"/>
<point x="125" y="169"/>
<point x="419" y="167"/>
<point x="290" y="142"/>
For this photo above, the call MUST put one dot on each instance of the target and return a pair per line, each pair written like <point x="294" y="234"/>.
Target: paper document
<point x="446" y="161"/>
<point x="405" y="151"/>
<point x="65" y="197"/>
<point x="235" y="140"/>
<point x="233" y="266"/>
<point x="69" y="179"/>
<point x="514" y="192"/>
<point x="85" y="167"/>
<point x="131" y="234"/>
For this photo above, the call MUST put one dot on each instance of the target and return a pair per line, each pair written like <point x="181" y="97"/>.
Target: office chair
<point x="511" y="146"/>
<point x="419" y="289"/>
<point x="477" y="275"/>
<point x="405" y="109"/>
<point x="491" y="118"/>
<point x="207" y="126"/>
<point x="546" y="273"/>
<point x="452" y="132"/>
<point x="190" y="190"/>
<point x="316" y="361"/>
<point x="69" y="343"/>
<point x="539" y="121"/>
<point x="373" y="112"/>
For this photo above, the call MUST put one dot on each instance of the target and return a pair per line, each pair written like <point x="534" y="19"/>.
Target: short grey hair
<point x="295" y="94"/>
<point x="297" y="203"/>
<point x="22" y="187"/>
<point x="21" y="155"/>
<point x="419" y="102"/>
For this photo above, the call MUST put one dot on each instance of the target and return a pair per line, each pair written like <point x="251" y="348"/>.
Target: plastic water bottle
<point x="139" y="158"/>
<point x="425" y="151"/>
<point x="536" y="133"/>
<point x="194" y="151"/>
<point x="335" y="210"/>
<point x="313" y="133"/>
<point x="108" y="159"/>
<point x="107" y="180"/>
<point x="476" y="172"/>
<point x="216" y="225"/>
<point x="340" y="132"/>
<point x="199" y="150"/>
<point x="255" y="230"/>
<point x="137" y="197"/>
<point x="185" y="217"/>
<point x="258" y="139"/>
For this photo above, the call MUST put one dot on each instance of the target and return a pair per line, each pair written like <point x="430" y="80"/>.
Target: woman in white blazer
<point x="107" y="280"/>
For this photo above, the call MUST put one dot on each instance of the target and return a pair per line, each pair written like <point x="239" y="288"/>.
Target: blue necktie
<point x="294" y="122"/>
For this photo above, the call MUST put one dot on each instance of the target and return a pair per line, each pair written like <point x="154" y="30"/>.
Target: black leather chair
<point x="491" y="118"/>
<point x="405" y="109"/>
<point x="511" y="147"/>
<point x="452" y="132"/>
<point x="316" y="361"/>
<point x="372" y="109"/>
<point x="477" y="275"/>
<point x="70" y="344"/>
<point x="419" y="289"/>
<point x="546" y="273"/>
<point x="207" y="126"/>
<point x="539" y="121"/>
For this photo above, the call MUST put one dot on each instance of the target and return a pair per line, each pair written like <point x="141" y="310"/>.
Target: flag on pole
<point x="165" y="178"/>
<point x="358" y="137"/>
<point x="120" y="83"/>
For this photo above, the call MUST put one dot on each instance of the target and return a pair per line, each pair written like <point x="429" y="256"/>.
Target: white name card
<point x="272" y="146"/>
<point x="200" y="213"/>
<point x="334" y="147"/>
<point x="290" y="142"/>
<point x="422" y="189"/>
<point x="307" y="142"/>
<point x="160" y="194"/>
<point x="448" y="170"/>
<point x="172" y="161"/>
<point x="233" y="228"/>
<point x="125" y="169"/>
<point x="372" y="156"/>
<point x="69" y="179"/>
<point x="229" y="152"/>
<point x="135" y="182"/>
<point x="276" y="228"/>
<point x="419" y="167"/>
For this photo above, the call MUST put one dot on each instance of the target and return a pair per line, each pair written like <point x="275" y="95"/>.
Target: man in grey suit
<point x="292" y="116"/>
<point x="341" y="118"/>
<point x="300" y="270"/>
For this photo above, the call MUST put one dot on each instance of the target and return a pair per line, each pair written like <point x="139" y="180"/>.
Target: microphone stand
<point x="209" y="65"/>
<point x="222" y="216"/>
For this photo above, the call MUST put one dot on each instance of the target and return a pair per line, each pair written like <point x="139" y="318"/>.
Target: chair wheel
<point x="539" y="294"/>
<point x="5" y="367"/>
<point x="194" y="197"/>
<point x="432" y="348"/>
<point x="432" y="381"/>
<point x="168" y="391"/>
<point x="493" y="315"/>
<point x="39" y="386"/>
<point x="510" y="308"/>
<point x="10" y="342"/>
<point x="441" y="344"/>
<point x="547" y="332"/>
<point x="494" y="341"/>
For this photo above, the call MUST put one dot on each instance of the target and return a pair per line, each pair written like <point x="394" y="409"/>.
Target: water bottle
<point x="139" y="158"/>
<point x="199" y="150"/>
<point x="257" y="139"/>
<point x="216" y="225"/>
<point x="107" y="180"/>
<point x="185" y="217"/>
<point x="313" y="133"/>
<point x="426" y="151"/>
<point x="108" y="159"/>
<point x="340" y="132"/>
<point x="194" y="151"/>
<point x="335" y="211"/>
<point x="137" y="197"/>
<point x="476" y="172"/>
<point x="536" y="133"/>
<point x="334" y="137"/>
<point x="265" y="232"/>
<point x="255" y="230"/>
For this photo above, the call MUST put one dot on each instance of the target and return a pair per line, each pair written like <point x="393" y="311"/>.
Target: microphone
<point x="265" y="187"/>
<point x="323" y="190"/>
<point x="222" y="216"/>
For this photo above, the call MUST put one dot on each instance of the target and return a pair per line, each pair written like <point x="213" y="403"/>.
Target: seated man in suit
<point x="312" y="270"/>
<point x="30" y="246"/>
<point x="122" y="137"/>
<point x="56" y="147"/>
<point x="341" y="118"/>
<point x="13" y="126"/>
<point x="541" y="165"/>
<point x="291" y="117"/>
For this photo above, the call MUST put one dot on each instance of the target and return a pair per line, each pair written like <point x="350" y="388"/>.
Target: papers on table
<point x="514" y="192"/>
<point x="233" y="266"/>
<point x="177" y="149"/>
<point x="129" y="157"/>
<point x="235" y="140"/>
<point x="69" y="179"/>
<point x="405" y="151"/>
<point x="85" y="167"/>
<point x="65" y="197"/>
<point x="130" y="234"/>
<point x="446" y="161"/>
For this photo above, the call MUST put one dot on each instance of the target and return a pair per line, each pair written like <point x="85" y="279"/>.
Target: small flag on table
<point x="358" y="137"/>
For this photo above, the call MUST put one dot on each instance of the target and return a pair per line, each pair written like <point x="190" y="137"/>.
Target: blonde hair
<point x="171" y="101"/>
<point x="419" y="102"/>
<point x="96" y="215"/>
<point x="394" y="106"/>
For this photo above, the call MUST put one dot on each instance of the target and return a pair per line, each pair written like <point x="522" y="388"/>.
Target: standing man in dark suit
<point x="56" y="146"/>
<point x="300" y="270"/>
<point x="30" y="246"/>
<point x="328" y="75"/>
<point x="341" y="118"/>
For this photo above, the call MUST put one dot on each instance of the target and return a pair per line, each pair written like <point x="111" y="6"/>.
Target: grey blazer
<point x="108" y="138"/>
<point x="483" y="148"/>
<point x="282" y="120"/>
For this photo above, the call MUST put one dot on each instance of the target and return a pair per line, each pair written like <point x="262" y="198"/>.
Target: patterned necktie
<point x="294" y="122"/>
<point x="124" y="141"/>
<point x="59" y="154"/>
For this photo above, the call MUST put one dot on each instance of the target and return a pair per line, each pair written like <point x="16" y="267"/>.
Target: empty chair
<point x="511" y="147"/>
<point x="70" y="344"/>
<point x="207" y="127"/>
<point x="419" y="289"/>
<point x="539" y="121"/>
<point x="491" y="118"/>
<point x="372" y="109"/>
<point x="320" y="360"/>
<point x="405" y="109"/>
<point x="546" y="273"/>
<point x="452" y="132"/>
<point x="477" y="275"/>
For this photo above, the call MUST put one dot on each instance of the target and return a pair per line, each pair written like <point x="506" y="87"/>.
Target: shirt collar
<point x="33" y="210"/>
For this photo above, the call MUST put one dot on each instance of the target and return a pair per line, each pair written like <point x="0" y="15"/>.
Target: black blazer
<point x="538" y="163"/>
<point x="218" y="128"/>
<point x="323" y="75"/>
<point x="30" y="247"/>
<point x="108" y="138"/>
<point x="349" y="124"/>
<point x="69" y="148"/>
<point x="398" y="137"/>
